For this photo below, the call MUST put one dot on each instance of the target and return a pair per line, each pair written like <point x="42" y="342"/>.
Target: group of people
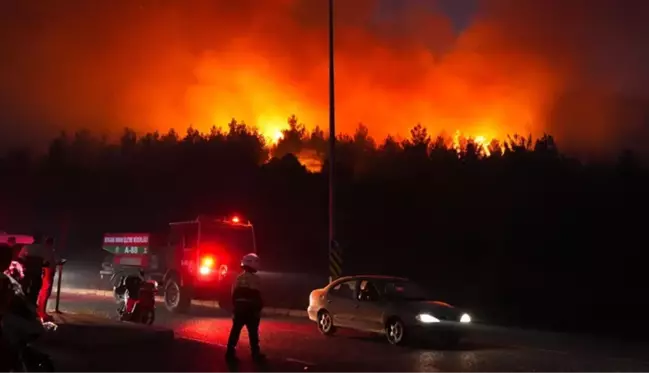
<point x="33" y="266"/>
<point x="38" y="262"/>
<point x="26" y="275"/>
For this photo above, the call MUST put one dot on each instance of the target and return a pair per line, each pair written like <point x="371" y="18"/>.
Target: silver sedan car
<point x="393" y="306"/>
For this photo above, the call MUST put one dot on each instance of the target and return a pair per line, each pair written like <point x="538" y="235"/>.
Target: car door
<point x="342" y="303"/>
<point x="372" y="307"/>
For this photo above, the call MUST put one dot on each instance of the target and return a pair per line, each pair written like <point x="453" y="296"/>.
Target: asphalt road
<point x="180" y="355"/>
<point x="296" y="343"/>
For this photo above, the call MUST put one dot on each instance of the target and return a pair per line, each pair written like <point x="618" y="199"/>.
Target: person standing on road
<point x="49" y="268"/>
<point x="246" y="298"/>
<point x="37" y="259"/>
<point x="31" y="258"/>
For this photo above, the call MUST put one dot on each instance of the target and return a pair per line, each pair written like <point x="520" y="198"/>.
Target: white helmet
<point x="250" y="260"/>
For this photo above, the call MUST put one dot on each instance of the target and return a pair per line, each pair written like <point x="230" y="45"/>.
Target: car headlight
<point x="465" y="318"/>
<point x="427" y="318"/>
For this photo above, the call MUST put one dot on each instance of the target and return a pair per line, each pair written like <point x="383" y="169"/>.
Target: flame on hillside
<point x="310" y="159"/>
<point x="167" y="64"/>
<point x="484" y="145"/>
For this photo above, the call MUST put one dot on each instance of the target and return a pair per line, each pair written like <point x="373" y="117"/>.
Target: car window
<point x="344" y="290"/>
<point x="368" y="291"/>
<point x="406" y="290"/>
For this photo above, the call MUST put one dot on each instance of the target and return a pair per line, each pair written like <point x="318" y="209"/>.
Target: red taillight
<point x="207" y="265"/>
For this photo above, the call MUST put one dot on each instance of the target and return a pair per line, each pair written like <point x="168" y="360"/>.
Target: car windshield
<point x="405" y="290"/>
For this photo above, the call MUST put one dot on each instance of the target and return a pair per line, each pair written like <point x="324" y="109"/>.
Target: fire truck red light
<point x="207" y="262"/>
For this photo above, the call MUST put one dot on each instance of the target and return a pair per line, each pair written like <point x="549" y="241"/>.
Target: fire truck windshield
<point x="237" y="240"/>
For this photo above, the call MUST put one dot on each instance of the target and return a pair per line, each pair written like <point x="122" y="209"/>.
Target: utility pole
<point x="335" y="262"/>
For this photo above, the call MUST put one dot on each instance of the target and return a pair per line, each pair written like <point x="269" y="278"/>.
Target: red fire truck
<point x="196" y="259"/>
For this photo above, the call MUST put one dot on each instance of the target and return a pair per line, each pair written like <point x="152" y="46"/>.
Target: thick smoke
<point x="573" y="68"/>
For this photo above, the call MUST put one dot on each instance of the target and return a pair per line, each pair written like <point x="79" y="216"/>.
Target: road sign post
<point x="335" y="262"/>
<point x="333" y="250"/>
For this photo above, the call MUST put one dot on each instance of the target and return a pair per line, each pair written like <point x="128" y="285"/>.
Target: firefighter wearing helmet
<point x="246" y="298"/>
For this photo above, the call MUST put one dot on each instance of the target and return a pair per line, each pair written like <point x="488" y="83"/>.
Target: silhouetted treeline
<point x="512" y="229"/>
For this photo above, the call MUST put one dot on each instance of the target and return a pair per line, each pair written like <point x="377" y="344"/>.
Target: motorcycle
<point x="135" y="298"/>
<point x="19" y="328"/>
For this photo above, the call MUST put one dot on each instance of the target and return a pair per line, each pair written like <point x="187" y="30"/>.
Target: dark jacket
<point x="246" y="293"/>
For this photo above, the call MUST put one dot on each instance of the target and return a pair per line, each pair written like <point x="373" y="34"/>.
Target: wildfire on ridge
<point x="313" y="162"/>
<point x="193" y="62"/>
<point x="271" y="127"/>
<point x="310" y="160"/>
<point x="481" y="142"/>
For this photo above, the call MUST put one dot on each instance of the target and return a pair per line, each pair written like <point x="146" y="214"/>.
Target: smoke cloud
<point x="572" y="68"/>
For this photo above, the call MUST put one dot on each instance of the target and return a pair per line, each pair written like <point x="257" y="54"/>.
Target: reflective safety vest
<point x="247" y="280"/>
<point x="247" y="289"/>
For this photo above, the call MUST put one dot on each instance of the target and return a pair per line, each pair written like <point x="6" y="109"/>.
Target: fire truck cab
<point x="196" y="259"/>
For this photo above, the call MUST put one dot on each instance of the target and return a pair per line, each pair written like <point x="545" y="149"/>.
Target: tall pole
<point x="332" y="130"/>
<point x="65" y="228"/>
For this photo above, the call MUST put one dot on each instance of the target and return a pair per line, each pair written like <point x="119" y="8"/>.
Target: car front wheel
<point x="326" y="323"/>
<point x="395" y="332"/>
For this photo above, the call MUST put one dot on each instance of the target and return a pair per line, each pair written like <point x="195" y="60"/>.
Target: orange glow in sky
<point x="154" y="65"/>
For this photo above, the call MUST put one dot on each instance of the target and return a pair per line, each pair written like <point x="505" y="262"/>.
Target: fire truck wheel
<point x="177" y="298"/>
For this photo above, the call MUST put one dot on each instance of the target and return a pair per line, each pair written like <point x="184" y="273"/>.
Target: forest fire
<point x="459" y="142"/>
<point x="310" y="160"/>
<point x="398" y="63"/>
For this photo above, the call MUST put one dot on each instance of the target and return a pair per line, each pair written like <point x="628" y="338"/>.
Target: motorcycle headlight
<point x="427" y="318"/>
<point x="465" y="318"/>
